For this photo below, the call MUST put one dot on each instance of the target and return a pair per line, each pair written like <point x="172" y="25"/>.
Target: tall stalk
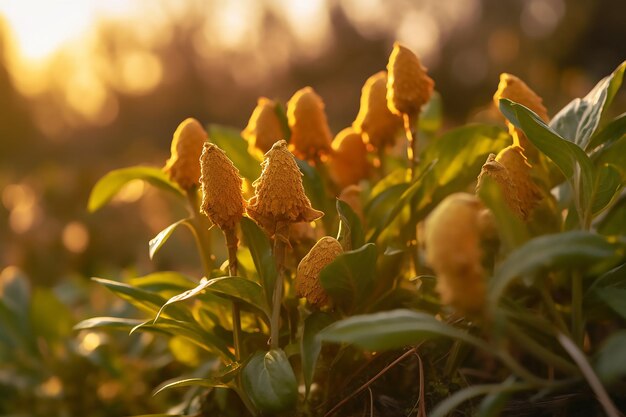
<point x="200" y="226"/>
<point x="277" y="297"/>
<point x="231" y="243"/>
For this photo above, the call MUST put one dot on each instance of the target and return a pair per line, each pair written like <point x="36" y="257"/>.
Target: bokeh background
<point x="87" y="86"/>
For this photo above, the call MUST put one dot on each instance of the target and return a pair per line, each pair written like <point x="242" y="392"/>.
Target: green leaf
<point x="610" y="363"/>
<point x="580" y="118"/>
<point x="606" y="188"/>
<point x="270" y="383"/>
<point x="247" y="292"/>
<point x="392" y="330"/>
<point x="230" y="141"/>
<point x="431" y="116"/>
<point x="565" y="154"/>
<point x="615" y="298"/>
<point x="109" y="185"/>
<point x="575" y="249"/>
<point x="114" y="323"/>
<point x="613" y="222"/>
<point x="158" y="241"/>
<point x="310" y="345"/>
<point x="613" y="131"/>
<point x="380" y="210"/>
<point x="350" y="229"/>
<point x="350" y="277"/>
<point x="314" y="188"/>
<point x="49" y="317"/>
<point x="219" y="379"/>
<point x="164" y="281"/>
<point x="259" y="245"/>
<point x="284" y="123"/>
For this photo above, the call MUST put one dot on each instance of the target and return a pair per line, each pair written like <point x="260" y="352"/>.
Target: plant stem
<point x="279" y="257"/>
<point x="578" y="325"/>
<point x="200" y="228"/>
<point x="410" y="130"/>
<point x="231" y="244"/>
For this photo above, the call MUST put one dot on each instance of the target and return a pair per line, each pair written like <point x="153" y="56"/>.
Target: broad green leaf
<point x="219" y="379"/>
<point x="350" y="277"/>
<point x="576" y="249"/>
<point x="310" y="345"/>
<point x="114" y="323"/>
<point x="393" y="330"/>
<point x="164" y="281"/>
<point x="613" y="131"/>
<point x="230" y="141"/>
<point x="580" y="118"/>
<point x="615" y="298"/>
<point x="613" y="153"/>
<point x="350" y="229"/>
<point x="610" y="363"/>
<point x="235" y="288"/>
<point x="314" y="189"/>
<point x="158" y="241"/>
<point x="565" y="154"/>
<point x="109" y="185"/>
<point x="259" y="245"/>
<point x="606" y="188"/>
<point x="613" y="222"/>
<point x="431" y="116"/>
<point x="379" y="210"/>
<point x="270" y="383"/>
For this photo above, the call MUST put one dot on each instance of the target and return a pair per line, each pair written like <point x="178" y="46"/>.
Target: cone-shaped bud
<point x="263" y="128"/>
<point x="310" y="134"/>
<point x="453" y="247"/>
<point x="348" y="163"/>
<point x="222" y="200"/>
<point x="377" y="124"/>
<point x="516" y="90"/>
<point x="408" y="85"/>
<point x="279" y="195"/>
<point x="307" y="278"/>
<point x="500" y="175"/>
<point x="183" y="167"/>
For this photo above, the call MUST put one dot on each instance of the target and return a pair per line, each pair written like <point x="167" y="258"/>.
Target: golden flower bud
<point x="183" y="167"/>
<point x="279" y="197"/>
<point x="263" y="128"/>
<point x="516" y="90"/>
<point x="408" y="85"/>
<point x="310" y="134"/>
<point x="307" y="277"/>
<point x="222" y="200"/>
<point x="348" y="163"/>
<point x="453" y="246"/>
<point x="377" y="124"/>
<point x="493" y="169"/>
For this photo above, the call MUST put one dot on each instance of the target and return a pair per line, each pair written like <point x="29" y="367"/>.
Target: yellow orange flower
<point x="348" y="163"/>
<point x="310" y="134"/>
<point x="263" y="128"/>
<point x="183" y="167"/>
<point x="307" y="282"/>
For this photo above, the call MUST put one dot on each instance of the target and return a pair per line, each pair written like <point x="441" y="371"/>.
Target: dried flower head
<point x="348" y="163"/>
<point x="310" y="134"/>
<point x="307" y="277"/>
<point x="183" y="167"/>
<point x="453" y="246"/>
<point x="377" y="124"/>
<point x="408" y="85"/>
<point x="222" y="200"/>
<point x="516" y="90"/>
<point x="511" y="171"/>
<point x="263" y="128"/>
<point x="279" y="195"/>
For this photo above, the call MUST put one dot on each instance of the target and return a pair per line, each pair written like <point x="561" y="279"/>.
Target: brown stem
<point x="231" y="243"/>
<point x="410" y="130"/>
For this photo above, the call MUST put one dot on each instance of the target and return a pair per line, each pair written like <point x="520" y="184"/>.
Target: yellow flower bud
<point x="222" y="200"/>
<point x="264" y="128"/>
<point x="279" y="197"/>
<point x="377" y="124"/>
<point x="516" y="90"/>
<point x="453" y="247"/>
<point x="348" y="163"/>
<point x="183" y="167"/>
<point x="307" y="277"/>
<point x="310" y="134"/>
<point x="408" y="85"/>
<point x="498" y="172"/>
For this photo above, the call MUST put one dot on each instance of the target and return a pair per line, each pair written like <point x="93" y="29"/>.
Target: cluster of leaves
<point x="555" y="304"/>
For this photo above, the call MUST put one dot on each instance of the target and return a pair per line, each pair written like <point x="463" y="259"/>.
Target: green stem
<point x="411" y="137"/>
<point x="200" y="228"/>
<point x="231" y="243"/>
<point x="578" y="325"/>
<point x="277" y="298"/>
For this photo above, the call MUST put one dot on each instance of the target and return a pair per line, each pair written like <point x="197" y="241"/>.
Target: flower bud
<point x="408" y="85"/>
<point x="453" y="247"/>
<point x="377" y="124"/>
<point x="183" y="167"/>
<point x="493" y="169"/>
<point x="279" y="197"/>
<point x="310" y="134"/>
<point x="263" y="128"/>
<point x="307" y="282"/>
<point x="348" y="163"/>
<point x="222" y="200"/>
